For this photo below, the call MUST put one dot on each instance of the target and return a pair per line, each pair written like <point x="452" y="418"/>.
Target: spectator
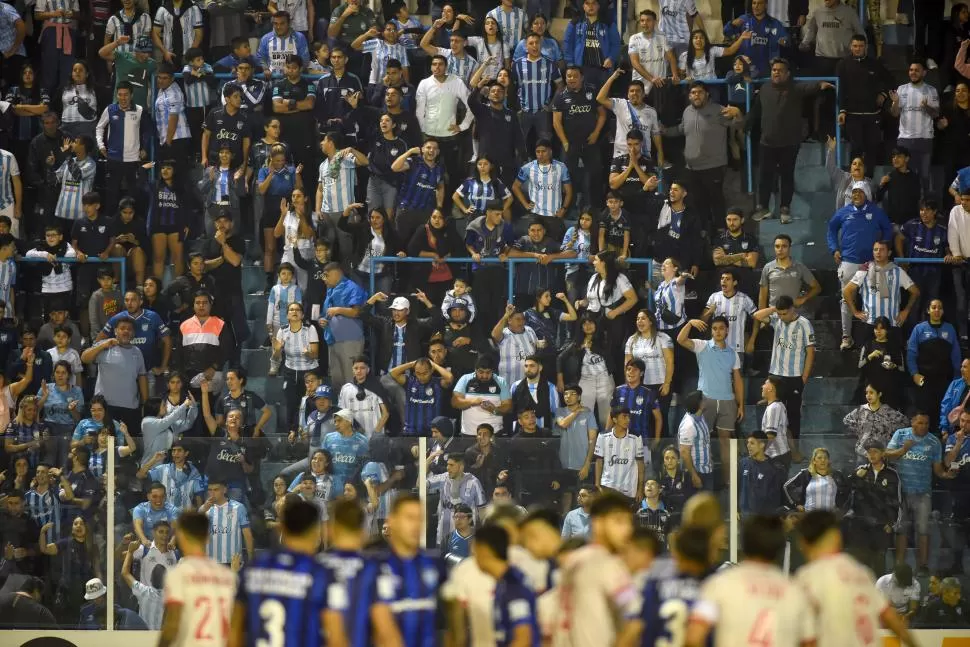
<point x="581" y="33"/>
<point x="534" y="468"/>
<point x="149" y="595"/>
<point x="924" y="237"/>
<point x="147" y="514"/>
<point x="576" y="521"/>
<point x="544" y="189"/>
<point x="20" y="533"/>
<point x="867" y="84"/>
<point x="774" y="423"/>
<point x="151" y="332"/>
<point x="947" y="611"/>
<point x="678" y="18"/>
<point x="320" y="477"/>
<point x="902" y="186"/>
<point x="694" y="437"/>
<point x="340" y="319"/>
<point x="732" y="305"/>
<point x="459" y="543"/>
<point x="228" y="525"/>
<point x="655" y="350"/>
<point x="122" y="378"/>
<point x="878" y="286"/>
<point x="79" y="487"/>
<point x="578" y="431"/>
<point x="651" y="57"/>
<point x="955" y="459"/>
<point x="917" y="105"/>
<point x="609" y="297"/>
<point x="578" y="122"/>
<point x="24" y="609"/>
<point x="457" y="488"/>
<point x="365" y="398"/>
<point x="779" y="112"/>
<point x="646" y="420"/>
<point x="676" y="484"/>
<point x="181" y="479"/>
<point x="737" y="250"/>
<point x="852" y="235"/>
<point x="901" y="589"/>
<point x="539" y="81"/>
<point x="769" y="35"/>
<point x="173" y="42"/>
<point x="633" y="113"/>
<point x="482" y="397"/>
<point x="584" y="362"/>
<point x="954" y="400"/>
<point x="761" y="478"/>
<point x="873" y="421"/>
<point x="530" y="277"/>
<point x="933" y="359"/>
<point x="919" y="456"/>
<point x="876" y="503"/>
<point x="881" y="359"/>
<point x="819" y="487"/>
<point x="78" y="562"/>
<point x="786" y="276"/>
<point x="955" y="124"/>
<point x="533" y="391"/>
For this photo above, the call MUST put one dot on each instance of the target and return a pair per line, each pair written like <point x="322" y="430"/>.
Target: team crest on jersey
<point x="101" y="229"/>
<point x="744" y="244"/>
<point x="393" y="151"/>
<point x="239" y="125"/>
<point x="429" y="391"/>
<point x="508" y="118"/>
<point x="868" y="216"/>
<point x="144" y="326"/>
<point x="589" y="96"/>
<point x="936" y="240"/>
<point x="492" y="389"/>
<point x="885" y="482"/>
<point x="430" y="577"/>
<point x="639" y="399"/>
<point x="404" y="127"/>
<point x="945" y="335"/>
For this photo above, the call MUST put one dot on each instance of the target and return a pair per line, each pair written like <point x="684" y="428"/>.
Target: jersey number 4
<point x="763" y="631"/>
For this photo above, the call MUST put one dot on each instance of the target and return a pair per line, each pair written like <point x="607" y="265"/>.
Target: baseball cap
<point x="400" y="303"/>
<point x="346" y="414"/>
<point x="323" y="391"/>
<point x="875" y="443"/>
<point x="94" y="589"/>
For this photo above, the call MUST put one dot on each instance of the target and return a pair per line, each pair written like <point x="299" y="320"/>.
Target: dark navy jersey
<point x="666" y="607"/>
<point x="514" y="606"/>
<point x="409" y="587"/>
<point x="285" y="594"/>
<point x="344" y="567"/>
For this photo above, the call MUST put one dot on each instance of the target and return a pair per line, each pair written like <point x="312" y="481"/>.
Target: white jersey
<point x="736" y="308"/>
<point x="620" y="456"/>
<point x="755" y="600"/>
<point x="915" y="121"/>
<point x="596" y="594"/>
<point x="206" y="591"/>
<point x="844" y="598"/>
<point x="775" y="421"/>
<point x="474" y="590"/>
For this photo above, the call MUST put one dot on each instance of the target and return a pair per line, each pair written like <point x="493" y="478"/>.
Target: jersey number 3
<point x="674" y="616"/>
<point x="273" y="615"/>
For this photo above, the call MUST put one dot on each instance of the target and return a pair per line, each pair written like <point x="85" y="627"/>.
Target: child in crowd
<point x="129" y="234"/>
<point x="56" y="283"/>
<point x="197" y="77"/>
<point x="460" y="291"/>
<point x="320" y="64"/>
<point x="91" y="239"/>
<point x="105" y="302"/>
<point x="614" y="232"/>
<point x="56" y="319"/>
<point x="316" y="290"/>
<point x="240" y="50"/>
<point x="62" y="351"/>
<point x="737" y="81"/>
<point x="281" y="295"/>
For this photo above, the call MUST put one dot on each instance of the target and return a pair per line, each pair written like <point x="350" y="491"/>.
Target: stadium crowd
<point x="256" y="165"/>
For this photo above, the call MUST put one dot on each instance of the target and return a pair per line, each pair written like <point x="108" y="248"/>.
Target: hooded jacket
<point x="853" y="230"/>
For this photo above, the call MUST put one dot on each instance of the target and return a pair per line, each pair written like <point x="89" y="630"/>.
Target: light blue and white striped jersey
<point x="535" y="80"/>
<point x="298" y="13"/>
<point x="693" y="431"/>
<point x="77" y="178"/>
<point x="463" y="67"/>
<point x="820" y="493"/>
<point x="8" y="170"/>
<point x="120" y="24"/>
<point x="775" y="421"/>
<point x="47" y="6"/>
<point x="545" y="185"/>
<point x="181" y="486"/>
<point x="273" y="50"/>
<point x="499" y="50"/>
<point x="280" y="298"/>
<point x="54" y="282"/>
<point x="673" y="19"/>
<point x="380" y="50"/>
<point x="790" y="345"/>
<point x="377" y="473"/>
<point x="581" y="245"/>
<point x="294" y="343"/>
<point x="197" y="95"/>
<point x="151" y="608"/>
<point x="511" y="23"/>
<point x="736" y="309"/>
<point x="226" y="523"/>
<point x="171" y="101"/>
<point x="512" y="351"/>
<point x="410" y="41"/>
<point x="670" y="295"/>
<point x="190" y="20"/>
<point x="874" y="302"/>
<point x="338" y="178"/>
<point x="916" y="122"/>
<point x="44" y="508"/>
<point x="8" y="278"/>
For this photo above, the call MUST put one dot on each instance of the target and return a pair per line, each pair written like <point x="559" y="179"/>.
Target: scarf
<point x="178" y="43"/>
<point x="877" y="278"/>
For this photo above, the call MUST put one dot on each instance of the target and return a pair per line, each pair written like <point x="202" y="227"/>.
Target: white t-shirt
<point x="702" y="68"/>
<point x="736" y="308"/>
<point x="755" y="600"/>
<point x="898" y="596"/>
<point x="620" y="456"/>
<point x="652" y="51"/>
<point x="206" y="592"/>
<point x="474" y="590"/>
<point x="845" y="600"/>
<point x="628" y="117"/>
<point x="775" y="421"/>
<point x="596" y="295"/>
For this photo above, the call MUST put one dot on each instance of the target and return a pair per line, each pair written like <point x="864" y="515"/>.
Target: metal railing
<point x="91" y="259"/>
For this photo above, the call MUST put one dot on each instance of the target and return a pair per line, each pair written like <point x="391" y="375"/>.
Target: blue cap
<point x="323" y="391"/>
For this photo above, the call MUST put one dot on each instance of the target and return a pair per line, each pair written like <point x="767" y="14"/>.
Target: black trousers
<point x="293" y="390"/>
<point x="490" y="284"/>
<point x="731" y="9"/>
<point x="928" y="28"/>
<point x="865" y="137"/>
<point x="121" y="179"/>
<point x="706" y="191"/>
<point x="777" y="166"/>
<point x="589" y="180"/>
<point x="790" y="395"/>
<point x="131" y="418"/>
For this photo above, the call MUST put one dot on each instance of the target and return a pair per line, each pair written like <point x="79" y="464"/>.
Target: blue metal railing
<point x="91" y="259"/>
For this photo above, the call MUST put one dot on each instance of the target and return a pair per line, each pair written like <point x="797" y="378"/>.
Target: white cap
<point x="94" y="589"/>
<point x="400" y="303"/>
<point x="346" y="414"/>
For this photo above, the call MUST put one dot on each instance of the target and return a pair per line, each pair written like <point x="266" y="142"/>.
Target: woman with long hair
<point x="955" y="124"/>
<point x="698" y="61"/>
<point x="669" y="314"/>
<point x="86" y="431"/>
<point x="168" y="219"/>
<point x="476" y="191"/>
<point x="544" y="319"/>
<point x="273" y="507"/>
<point x="584" y="362"/>
<point x="25" y="434"/>
<point x="954" y="51"/>
<point x="656" y="350"/>
<point x="610" y="296"/>
<point x="579" y="238"/>
<point x="437" y="239"/>
<point x="490" y="47"/>
<point x="275" y="182"/>
<point x="98" y="461"/>
<point x="818" y="486"/>
<point x="843" y="181"/>
<point x="882" y="360"/>
<point x="61" y="404"/>
<point x="78" y="103"/>
<point x="873" y="421"/>
<point x="383" y="183"/>
<point x="10" y="392"/>
<point x="549" y="47"/>
<point x="22" y="474"/>
<point x="30" y="101"/>
<point x="296" y="230"/>
<point x="175" y="393"/>
<point x="77" y="559"/>
<point x="156" y="300"/>
<point x="372" y="238"/>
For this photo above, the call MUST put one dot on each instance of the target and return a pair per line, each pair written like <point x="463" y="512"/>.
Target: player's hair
<point x="505" y="513"/>
<point x="403" y="499"/>
<point x="784" y="302"/>
<point x="720" y="319"/>
<point x="647" y="539"/>
<point x="195" y="525"/>
<point x="299" y="518"/>
<point x="157" y="486"/>
<point x="693" y="543"/>
<point x="609" y="503"/>
<point x="547" y="516"/>
<point x="763" y="537"/>
<point x="496" y="538"/>
<point x="703" y="510"/>
<point x="815" y="525"/>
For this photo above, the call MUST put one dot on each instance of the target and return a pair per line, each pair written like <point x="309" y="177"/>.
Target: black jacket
<point x="415" y="337"/>
<point x="861" y="81"/>
<point x="876" y="498"/>
<point x="359" y="229"/>
<point x="778" y="110"/>
<point x="522" y="400"/>
<point x="904" y="192"/>
<point x="796" y="486"/>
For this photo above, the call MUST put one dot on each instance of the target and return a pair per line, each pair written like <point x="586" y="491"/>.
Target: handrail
<point x="91" y="259"/>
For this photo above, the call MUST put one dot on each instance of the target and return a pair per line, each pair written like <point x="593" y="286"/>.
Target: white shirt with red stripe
<point x="206" y="591"/>
<point x="754" y="603"/>
<point x="843" y="596"/>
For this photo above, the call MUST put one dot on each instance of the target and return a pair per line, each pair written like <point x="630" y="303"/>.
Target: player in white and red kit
<point x="847" y="605"/>
<point x="753" y="603"/>
<point x="598" y="603"/>
<point x="199" y="593"/>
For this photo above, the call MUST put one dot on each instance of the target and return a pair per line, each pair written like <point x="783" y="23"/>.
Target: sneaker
<point x="785" y="215"/>
<point x="846" y="344"/>
<point x="931" y="64"/>
<point x="760" y="213"/>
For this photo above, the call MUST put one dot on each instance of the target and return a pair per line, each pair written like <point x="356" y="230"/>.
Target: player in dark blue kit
<point x="286" y="598"/>
<point x="667" y="601"/>
<point x="400" y="587"/>
<point x="514" y="612"/>
<point x="344" y="560"/>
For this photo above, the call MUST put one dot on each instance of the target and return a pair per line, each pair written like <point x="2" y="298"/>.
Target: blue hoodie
<point x="860" y="228"/>
<point x="574" y="42"/>
<point x="769" y="35"/>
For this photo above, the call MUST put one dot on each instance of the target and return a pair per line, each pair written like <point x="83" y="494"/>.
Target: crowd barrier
<point x="91" y="259"/>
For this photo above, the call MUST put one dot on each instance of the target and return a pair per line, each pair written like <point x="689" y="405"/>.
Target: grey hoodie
<point x="705" y="131"/>
<point x="832" y="30"/>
